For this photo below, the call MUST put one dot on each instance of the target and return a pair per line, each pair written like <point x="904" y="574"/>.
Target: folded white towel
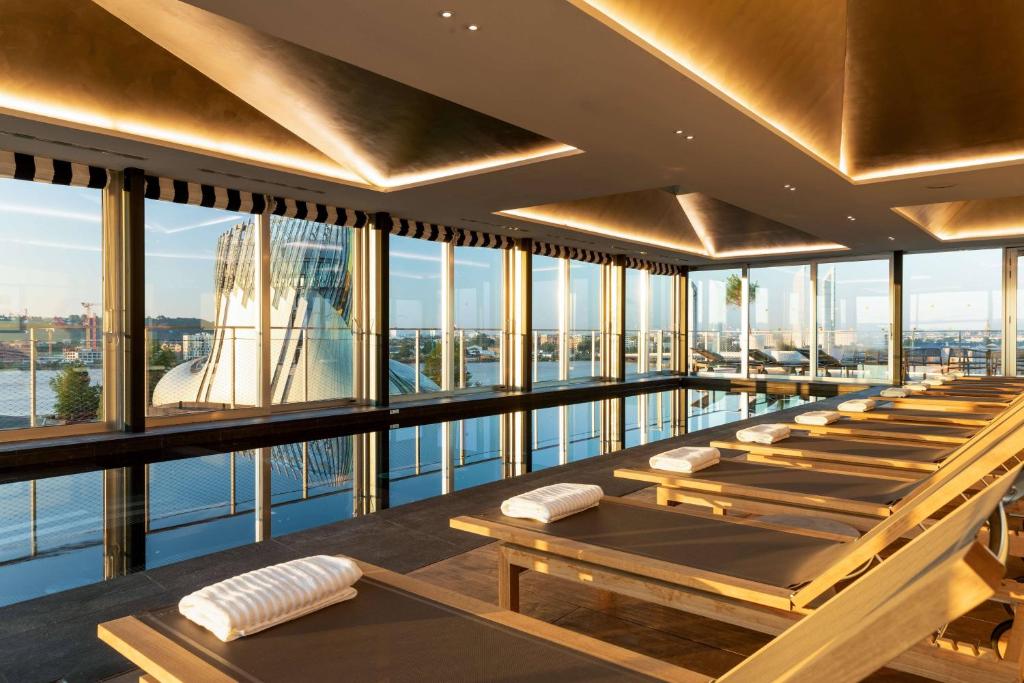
<point x="895" y="392"/>
<point x="686" y="460"/>
<point x="957" y="373"/>
<point x="257" y="600"/>
<point x="932" y="382"/>
<point x="941" y="376"/>
<point x="551" y="503"/>
<point x="764" y="434"/>
<point x="915" y="387"/>
<point x="858" y="405"/>
<point x="818" y="417"/>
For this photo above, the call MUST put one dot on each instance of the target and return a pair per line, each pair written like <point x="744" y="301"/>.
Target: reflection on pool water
<point x="51" y="530"/>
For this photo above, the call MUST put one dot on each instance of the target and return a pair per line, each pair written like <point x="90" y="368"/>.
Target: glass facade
<point x="478" y="329"/>
<point x="953" y="312"/>
<point x="715" y="321"/>
<point x="780" y="330"/>
<point x="415" y="305"/>
<point x="52" y="339"/>
<point x="853" y="318"/>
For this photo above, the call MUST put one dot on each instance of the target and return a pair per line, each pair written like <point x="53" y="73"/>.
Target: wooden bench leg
<point x="508" y="581"/>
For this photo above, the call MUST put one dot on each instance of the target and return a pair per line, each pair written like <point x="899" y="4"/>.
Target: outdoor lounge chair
<point x="748" y="573"/>
<point x="702" y="359"/>
<point x="399" y="628"/>
<point x="885" y="411"/>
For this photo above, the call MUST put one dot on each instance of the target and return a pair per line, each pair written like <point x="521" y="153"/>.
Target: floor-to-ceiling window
<point x="636" y="319"/>
<point x="780" y="333"/>
<point x="953" y="312"/>
<point x="416" y="291"/>
<point x="715" y="320"/>
<point x="312" y="345"/>
<point x="584" y="331"/>
<point x="650" y="322"/>
<point x="202" y="309"/>
<point x="477" y="348"/>
<point x="853" y="318"/>
<point x="546" y="312"/>
<point x="51" y="305"/>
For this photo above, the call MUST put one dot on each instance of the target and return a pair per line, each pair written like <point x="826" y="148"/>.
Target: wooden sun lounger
<point x="399" y="629"/>
<point x="886" y="412"/>
<point x="845" y="453"/>
<point x="957" y="404"/>
<point x="752" y="574"/>
<point x="937" y="434"/>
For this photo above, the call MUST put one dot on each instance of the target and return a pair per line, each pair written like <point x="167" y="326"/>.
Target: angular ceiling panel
<point x="968" y="219"/>
<point x="933" y="85"/>
<point x="782" y="61"/>
<point x="647" y="216"/>
<point x="92" y="70"/>
<point x="392" y="135"/>
<point x="693" y="223"/>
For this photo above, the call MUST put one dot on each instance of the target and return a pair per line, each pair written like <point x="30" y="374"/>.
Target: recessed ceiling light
<point x="689" y="137"/>
<point x="891" y="238"/>
<point x="791" y="188"/>
<point x="679" y="132"/>
<point x="786" y="186"/>
<point x="447" y="14"/>
<point x="642" y="252"/>
<point x="851" y="218"/>
<point x="473" y="27"/>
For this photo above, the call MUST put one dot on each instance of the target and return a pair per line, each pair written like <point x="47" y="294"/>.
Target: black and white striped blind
<point x="53" y="171"/>
<point x="443" y="233"/>
<point x="200" y="194"/>
<point x="561" y="251"/>
<point x="654" y="267"/>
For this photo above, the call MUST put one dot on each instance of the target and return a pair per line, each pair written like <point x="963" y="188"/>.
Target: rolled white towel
<point x="957" y="373"/>
<point x="765" y="434"/>
<point x="915" y="387"/>
<point x="941" y="376"/>
<point x="894" y="392"/>
<point x="552" y="503"/>
<point x="686" y="460"/>
<point x="858" y="405"/>
<point x="254" y="601"/>
<point x="932" y="382"/>
<point x="818" y="417"/>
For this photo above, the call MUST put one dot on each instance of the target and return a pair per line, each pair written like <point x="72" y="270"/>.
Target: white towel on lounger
<point x="764" y="434"/>
<point x="894" y="392"/>
<point x="957" y="373"/>
<point x="818" y="417"/>
<point x="686" y="460"/>
<point x="932" y="382"/>
<point x="858" y="405"/>
<point x="941" y="376"/>
<point x="552" y="503"/>
<point x="915" y="387"/>
<point x="254" y="601"/>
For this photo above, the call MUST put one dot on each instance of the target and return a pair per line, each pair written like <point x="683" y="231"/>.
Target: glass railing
<point x="974" y="352"/>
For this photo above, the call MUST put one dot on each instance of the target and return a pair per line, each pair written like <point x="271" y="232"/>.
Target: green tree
<point x="78" y="400"/>
<point x="734" y="290"/>
<point x="432" y="364"/>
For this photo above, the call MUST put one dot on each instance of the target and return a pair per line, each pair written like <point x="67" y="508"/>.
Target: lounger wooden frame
<point x="862" y="430"/>
<point x="876" y="619"/>
<point x="165" y="660"/>
<point x="742" y="602"/>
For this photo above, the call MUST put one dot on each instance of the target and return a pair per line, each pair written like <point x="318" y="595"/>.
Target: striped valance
<point x="443" y="233"/>
<point x="560" y="251"/>
<point x="200" y="194"/>
<point x="53" y="171"/>
<point x="655" y="267"/>
<point x="320" y="213"/>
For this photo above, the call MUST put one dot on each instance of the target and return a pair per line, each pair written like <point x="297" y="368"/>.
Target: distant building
<point x="196" y="345"/>
<point x="71" y="355"/>
<point x="90" y="356"/>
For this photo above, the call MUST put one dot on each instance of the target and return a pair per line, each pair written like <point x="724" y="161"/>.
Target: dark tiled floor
<point x="54" y="637"/>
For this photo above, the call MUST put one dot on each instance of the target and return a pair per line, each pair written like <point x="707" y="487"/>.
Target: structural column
<point x="135" y="354"/>
<point x="613" y="321"/>
<point x="378" y="314"/>
<point x="124" y="520"/>
<point x="680" y="323"/>
<point x="896" y="320"/>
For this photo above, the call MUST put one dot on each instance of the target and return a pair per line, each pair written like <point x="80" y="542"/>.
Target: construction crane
<point x="90" y="326"/>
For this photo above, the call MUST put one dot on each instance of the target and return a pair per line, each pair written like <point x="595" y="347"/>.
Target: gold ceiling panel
<point x="648" y="216"/>
<point x="968" y="219"/>
<point x="781" y="60"/>
<point x="92" y="71"/>
<point x="728" y="231"/>
<point x="933" y="85"/>
<point x="391" y="134"/>
<point x="693" y="223"/>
